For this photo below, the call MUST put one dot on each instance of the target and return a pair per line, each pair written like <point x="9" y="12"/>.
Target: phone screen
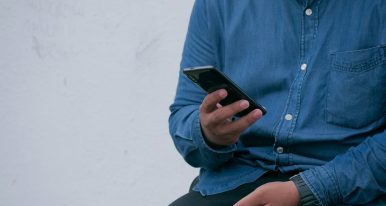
<point x="210" y="79"/>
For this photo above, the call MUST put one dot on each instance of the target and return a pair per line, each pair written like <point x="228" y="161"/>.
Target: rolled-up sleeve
<point x="356" y="177"/>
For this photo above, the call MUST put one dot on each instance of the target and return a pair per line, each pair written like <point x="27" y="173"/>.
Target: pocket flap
<point x="359" y="60"/>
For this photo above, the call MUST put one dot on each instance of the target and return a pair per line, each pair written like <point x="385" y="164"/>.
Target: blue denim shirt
<point x="319" y="67"/>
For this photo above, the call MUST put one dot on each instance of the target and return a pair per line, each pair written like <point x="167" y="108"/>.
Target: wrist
<point x="294" y="193"/>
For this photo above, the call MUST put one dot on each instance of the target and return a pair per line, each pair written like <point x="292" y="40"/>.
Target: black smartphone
<point x="210" y="79"/>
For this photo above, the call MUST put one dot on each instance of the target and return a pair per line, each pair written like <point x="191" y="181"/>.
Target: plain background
<point x="85" y="87"/>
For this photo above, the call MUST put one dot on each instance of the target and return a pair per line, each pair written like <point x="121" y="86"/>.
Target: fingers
<point x="216" y="120"/>
<point x="211" y="100"/>
<point x="244" y="122"/>
<point x="227" y="131"/>
<point x="227" y="112"/>
<point x="221" y="115"/>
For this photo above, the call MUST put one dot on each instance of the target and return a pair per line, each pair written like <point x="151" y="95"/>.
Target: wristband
<point x="307" y="198"/>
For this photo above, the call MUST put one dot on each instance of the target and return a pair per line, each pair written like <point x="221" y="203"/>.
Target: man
<point x="319" y="67"/>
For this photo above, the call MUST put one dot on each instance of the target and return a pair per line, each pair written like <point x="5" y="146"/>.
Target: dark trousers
<point x="193" y="198"/>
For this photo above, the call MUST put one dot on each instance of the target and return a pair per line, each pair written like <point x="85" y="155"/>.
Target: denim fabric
<point x="319" y="67"/>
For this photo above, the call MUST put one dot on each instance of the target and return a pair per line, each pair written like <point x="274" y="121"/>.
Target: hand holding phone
<point x="216" y="122"/>
<point x="210" y="79"/>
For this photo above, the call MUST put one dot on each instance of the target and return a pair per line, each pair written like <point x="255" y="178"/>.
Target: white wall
<point x="85" y="87"/>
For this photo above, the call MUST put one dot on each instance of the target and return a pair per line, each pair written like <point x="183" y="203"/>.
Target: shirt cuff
<point x="307" y="198"/>
<point x="323" y="184"/>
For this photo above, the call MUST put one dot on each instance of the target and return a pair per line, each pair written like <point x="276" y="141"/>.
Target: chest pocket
<point x="356" y="94"/>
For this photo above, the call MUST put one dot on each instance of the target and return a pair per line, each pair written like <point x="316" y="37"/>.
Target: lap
<point x="193" y="198"/>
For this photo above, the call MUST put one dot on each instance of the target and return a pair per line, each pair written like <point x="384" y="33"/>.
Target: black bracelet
<point x="307" y="198"/>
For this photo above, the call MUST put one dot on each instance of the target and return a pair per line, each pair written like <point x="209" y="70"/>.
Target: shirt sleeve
<point x="356" y="177"/>
<point x="184" y="121"/>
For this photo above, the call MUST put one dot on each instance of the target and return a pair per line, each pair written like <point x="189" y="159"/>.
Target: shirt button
<point x="303" y="67"/>
<point x="308" y="12"/>
<point x="288" y="117"/>
<point x="280" y="150"/>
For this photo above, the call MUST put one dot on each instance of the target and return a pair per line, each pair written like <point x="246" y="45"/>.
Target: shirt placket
<point x="284" y="132"/>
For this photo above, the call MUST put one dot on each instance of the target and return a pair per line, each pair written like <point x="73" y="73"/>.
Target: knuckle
<point x="249" y="119"/>
<point x="236" y="107"/>
<point x="211" y="96"/>
<point x="242" y="124"/>
<point x="201" y="108"/>
<point x="215" y="118"/>
<point x="205" y="102"/>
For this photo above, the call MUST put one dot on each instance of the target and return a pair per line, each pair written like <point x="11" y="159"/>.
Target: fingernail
<point x="244" y="104"/>
<point x="257" y="113"/>
<point x="222" y="93"/>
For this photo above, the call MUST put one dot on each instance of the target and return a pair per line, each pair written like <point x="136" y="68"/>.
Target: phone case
<point x="210" y="79"/>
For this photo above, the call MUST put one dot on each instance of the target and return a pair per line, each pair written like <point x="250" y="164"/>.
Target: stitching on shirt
<point x="302" y="41"/>
<point x="281" y="117"/>
<point x="297" y="108"/>
<point x="335" y="186"/>
<point x="316" y="19"/>
<point x="360" y="67"/>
